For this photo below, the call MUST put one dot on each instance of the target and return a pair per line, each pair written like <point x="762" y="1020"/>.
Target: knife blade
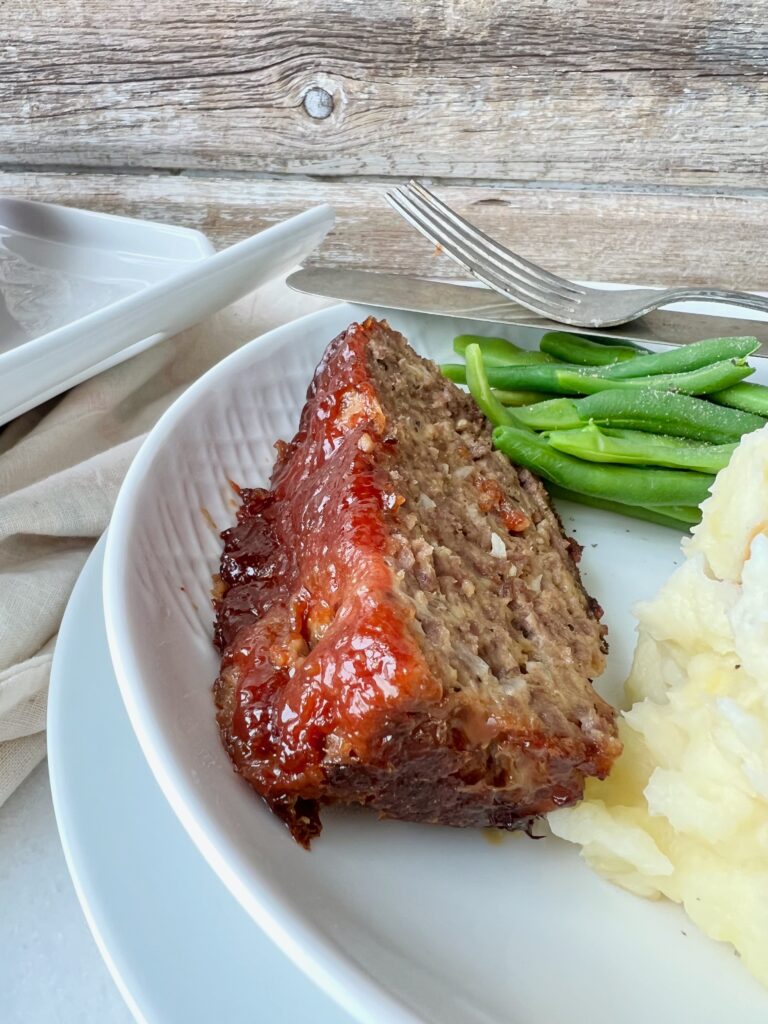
<point x="422" y="295"/>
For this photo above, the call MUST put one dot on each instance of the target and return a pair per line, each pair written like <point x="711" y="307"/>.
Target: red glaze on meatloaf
<point x="377" y="645"/>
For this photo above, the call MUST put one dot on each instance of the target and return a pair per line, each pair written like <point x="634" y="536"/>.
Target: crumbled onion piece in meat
<point x="393" y="501"/>
<point x="534" y="584"/>
<point x="473" y="661"/>
<point x="426" y="502"/>
<point x="498" y="548"/>
<point x="462" y="472"/>
<point x="512" y="685"/>
<point x="589" y="721"/>
<point x="476" y="515"/>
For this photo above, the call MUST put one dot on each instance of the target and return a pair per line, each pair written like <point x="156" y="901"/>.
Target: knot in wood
<point x="318" y="103"/>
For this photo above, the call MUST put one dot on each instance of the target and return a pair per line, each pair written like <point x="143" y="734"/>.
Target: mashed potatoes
<point x="684" y="812"/>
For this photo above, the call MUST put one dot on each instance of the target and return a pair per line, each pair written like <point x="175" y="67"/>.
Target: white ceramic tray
<point x="399" y="922"/>
<point x="82" y="291"/>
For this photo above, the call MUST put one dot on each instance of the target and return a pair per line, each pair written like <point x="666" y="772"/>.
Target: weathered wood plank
<point x="644" y="91"/>
<point x="604" y="235"/>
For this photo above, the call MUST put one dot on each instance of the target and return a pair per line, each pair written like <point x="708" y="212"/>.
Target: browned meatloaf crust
<point x="402" y="622"/>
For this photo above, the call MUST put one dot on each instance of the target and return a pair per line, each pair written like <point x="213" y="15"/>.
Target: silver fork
<point x="532" y="286"/>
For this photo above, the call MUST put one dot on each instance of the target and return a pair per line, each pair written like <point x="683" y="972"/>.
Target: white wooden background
<point x="612" y="140"/>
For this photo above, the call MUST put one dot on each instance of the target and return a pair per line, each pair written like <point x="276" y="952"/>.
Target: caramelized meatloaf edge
<point x="402" y="621"/>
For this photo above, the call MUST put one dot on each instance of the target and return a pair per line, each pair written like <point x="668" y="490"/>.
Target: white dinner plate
<point x="83" y="291"/>
<point x="178" y="945"/>
<point x="398" y="922"/>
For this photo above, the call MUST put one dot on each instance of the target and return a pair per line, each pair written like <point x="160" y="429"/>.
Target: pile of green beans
<point x="613" y="425"/>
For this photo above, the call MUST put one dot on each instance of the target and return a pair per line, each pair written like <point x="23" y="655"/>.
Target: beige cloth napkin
<point x="61" y="466"/>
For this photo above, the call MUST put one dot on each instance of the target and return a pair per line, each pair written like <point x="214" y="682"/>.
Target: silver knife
<point x="422" y="295"/>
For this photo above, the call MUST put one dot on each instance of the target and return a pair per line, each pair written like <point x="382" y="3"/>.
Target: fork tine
<point x="507" y="255"/>
<point x="525" y="282"/>
<point x="543" y="303"/>
<point x="474" y="259"/>
<point x="533" y="296"/>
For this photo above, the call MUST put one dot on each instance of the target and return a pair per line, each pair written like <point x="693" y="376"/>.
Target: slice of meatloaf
<point x="402" y="623"/>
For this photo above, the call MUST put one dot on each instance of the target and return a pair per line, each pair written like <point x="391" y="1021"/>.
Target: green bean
<point x="522" y="377"/>
<point x="651" y="515"/>
<point x="685" y="513"/>
<point x="561" y="378"/>
<point x="477" y="382"/>
<point x="568" y="379"/>
<point x="630" y="485"/>
<point x="685" y="358"/>
<point x="517" y="398"/>
<point x="554" y="414"/>
<point x="573" y="349"/>
<point x="747" y="397"/>
<point x="656" y="412"/>
<point x="456" y="372"/>
<point x="635" y="448"/>
<point x="499" y="351"/>
<point x="700" y="381"/>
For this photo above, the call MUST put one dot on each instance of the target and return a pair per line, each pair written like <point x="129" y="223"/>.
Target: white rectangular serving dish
<point x="82" y="291"/>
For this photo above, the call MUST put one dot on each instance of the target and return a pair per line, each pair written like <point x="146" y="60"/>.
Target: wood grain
<point x="664" y="92"/>
<point x="636" y="237"/>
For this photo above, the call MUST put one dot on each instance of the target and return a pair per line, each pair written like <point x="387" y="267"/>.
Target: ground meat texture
<point x="400" y="616"/>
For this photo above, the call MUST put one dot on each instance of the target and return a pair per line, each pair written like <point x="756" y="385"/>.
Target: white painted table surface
<point x="50" y="969"/>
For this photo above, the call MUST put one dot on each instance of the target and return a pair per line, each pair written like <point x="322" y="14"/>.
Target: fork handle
<point x="744" y="299"/>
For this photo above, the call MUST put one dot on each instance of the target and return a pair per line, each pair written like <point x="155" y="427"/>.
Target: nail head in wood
<point x="318" y="103"/>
